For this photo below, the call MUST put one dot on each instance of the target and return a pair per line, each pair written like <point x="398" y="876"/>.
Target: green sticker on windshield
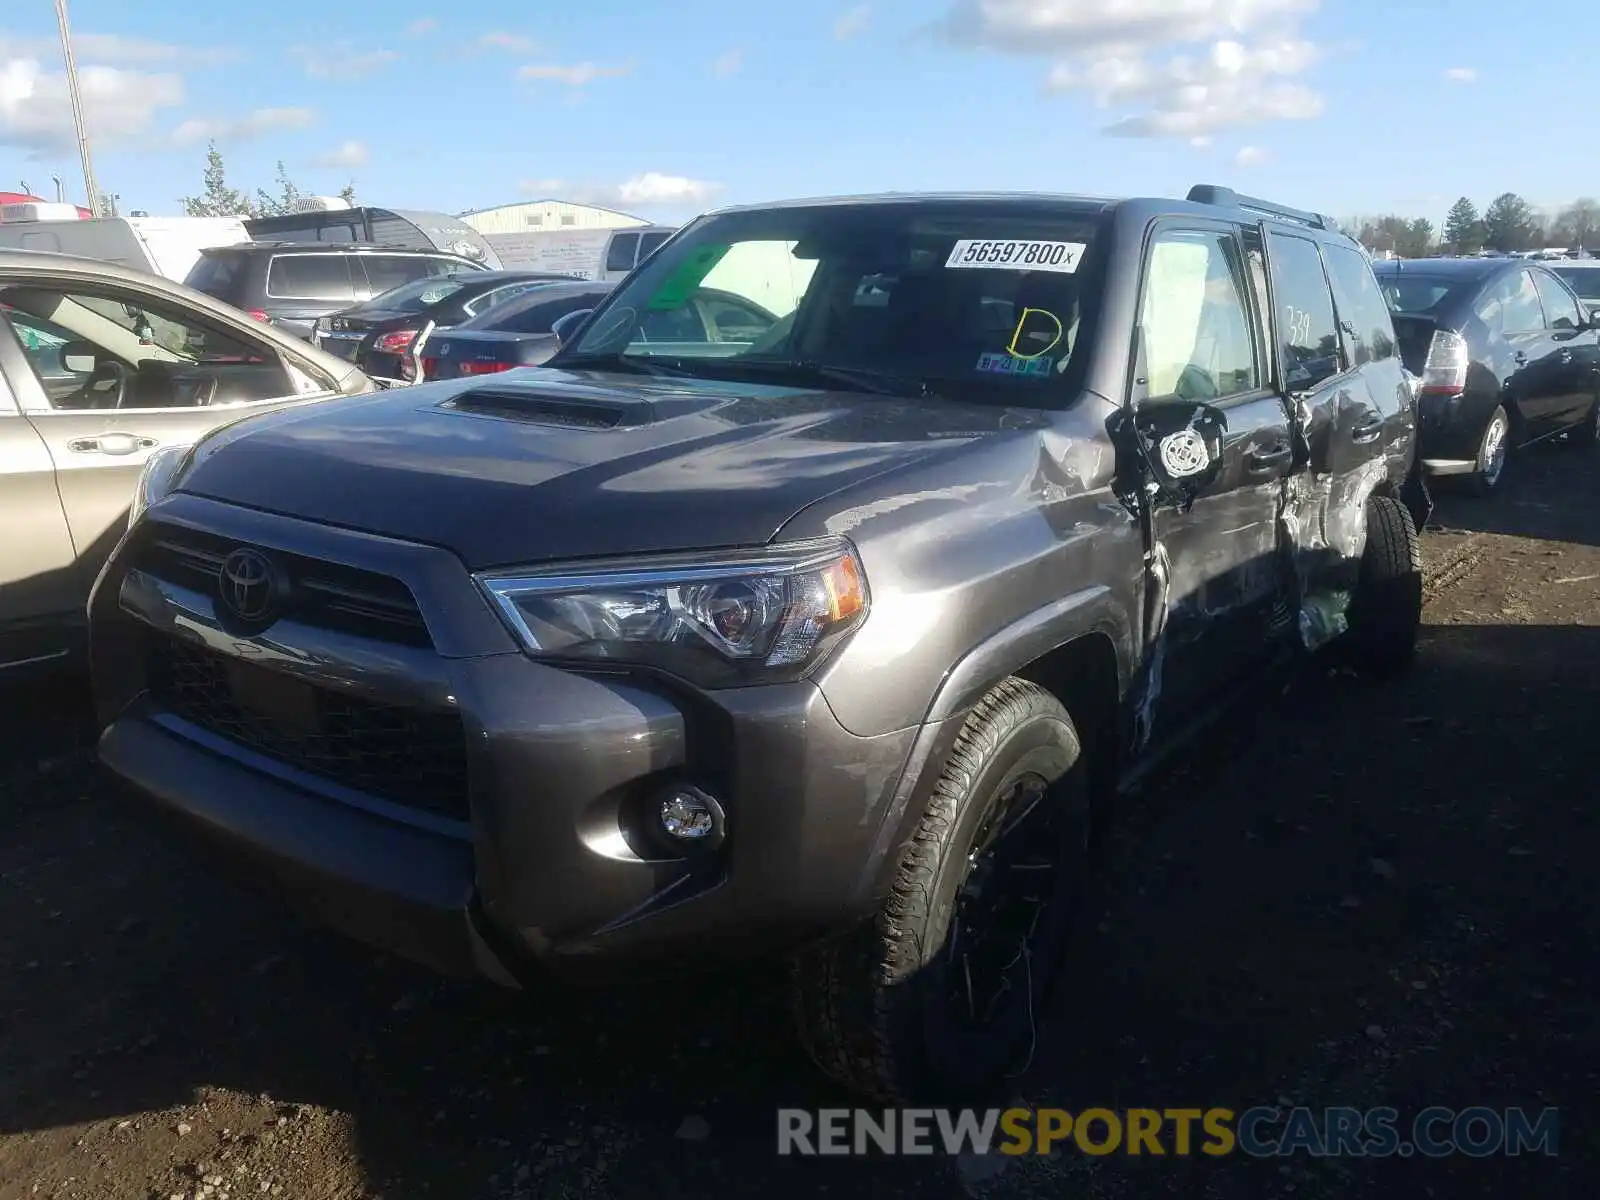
<point x="680" y="285"/>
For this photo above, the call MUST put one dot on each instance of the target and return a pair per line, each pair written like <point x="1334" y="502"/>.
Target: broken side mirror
<point x="1180" y="441"/>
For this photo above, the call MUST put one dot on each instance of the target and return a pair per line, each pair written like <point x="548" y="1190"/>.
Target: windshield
<point x="968" y="299"/>
<point x="416" y="296"/>
<point x="1584" y="280"/>
<point x="1422" y="295"/>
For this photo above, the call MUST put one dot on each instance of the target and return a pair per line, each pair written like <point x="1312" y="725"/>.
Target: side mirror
<point x="565" y="327"/>
<point x="79" y="358"/>
<point x="1180" y="442"/>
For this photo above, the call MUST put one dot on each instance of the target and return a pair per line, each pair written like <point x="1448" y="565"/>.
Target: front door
<point x="1217" y="584"/>
<point x="140" y="372"/>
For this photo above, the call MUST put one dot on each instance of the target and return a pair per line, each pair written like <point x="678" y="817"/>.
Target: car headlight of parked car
<point x="718" y="620"/>
<point x="160" y="475"/>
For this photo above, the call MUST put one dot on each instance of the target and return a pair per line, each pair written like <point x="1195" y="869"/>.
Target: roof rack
<point x="1208" y="193"/>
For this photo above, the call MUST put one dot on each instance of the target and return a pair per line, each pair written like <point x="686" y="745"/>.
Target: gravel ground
<point x="1363" y="896"/>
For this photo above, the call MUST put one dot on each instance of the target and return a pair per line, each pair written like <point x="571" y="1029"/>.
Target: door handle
<point x="111" y="443"/>
<point x="1520" y="358"/>
<point x="1261" y="463"/>
<point x="1566" y="356"/>
<point x="1368" y="431"/>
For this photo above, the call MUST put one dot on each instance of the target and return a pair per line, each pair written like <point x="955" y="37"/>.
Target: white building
<point x="534" y="215"/>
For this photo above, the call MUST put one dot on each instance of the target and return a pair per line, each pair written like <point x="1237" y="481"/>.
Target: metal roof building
<point x="532" y="216"/>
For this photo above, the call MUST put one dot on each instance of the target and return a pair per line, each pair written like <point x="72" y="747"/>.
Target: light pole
<point x="91" y="193"/>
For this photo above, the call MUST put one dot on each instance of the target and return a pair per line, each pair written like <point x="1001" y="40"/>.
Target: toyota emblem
<point x="248" y="586"/>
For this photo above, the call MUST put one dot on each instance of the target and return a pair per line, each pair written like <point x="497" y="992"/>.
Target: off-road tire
<point x="862" y="1001"/>
<point x="1386" y="608"/>
<point x="1481" y="481"/>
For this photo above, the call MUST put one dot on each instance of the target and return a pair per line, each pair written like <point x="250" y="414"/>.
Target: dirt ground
<point x="1368" y="896"/>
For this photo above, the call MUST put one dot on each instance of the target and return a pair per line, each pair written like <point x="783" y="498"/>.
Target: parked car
<point x="836" y="641"/>
<point x="1507" y="354"/>
<point x="586" y="253"/>
<point x="291" y="284"/>
<point x="515" y="334"/>
<point x="384" y="335"/>
<point x="100" y="367"/>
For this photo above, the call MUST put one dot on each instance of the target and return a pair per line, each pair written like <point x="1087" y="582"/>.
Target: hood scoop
<point x="580" y="408"/>
<point x="534" y="409"/>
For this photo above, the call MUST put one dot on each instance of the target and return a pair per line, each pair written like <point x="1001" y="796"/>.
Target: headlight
<point x="718" y="620"/>
<point x="160" y="475"/>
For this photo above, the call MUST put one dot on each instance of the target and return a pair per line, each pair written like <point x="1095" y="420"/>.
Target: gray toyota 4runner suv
<point x="832" y="635"/>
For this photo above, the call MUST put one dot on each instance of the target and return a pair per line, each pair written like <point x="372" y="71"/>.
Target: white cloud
<point x="1249" y="156"/>
<point x="342" y="61"/>
<point x="519" y="42"/>
<point x="1186" y="68"/>
<point x="1461" y="75"/>
<point x="1200" y="143"/>
<point x="350" y="155"/>
<point x="36" y="112"/>
<point x="853" y="23"/>
<point x="728" y="64"/>
<point x="574" y="75"/>
<point x="239" y="129"/>
<point x="652" y="189"/>
<point x="111" y="49"/>
<point x="422" y="26"/>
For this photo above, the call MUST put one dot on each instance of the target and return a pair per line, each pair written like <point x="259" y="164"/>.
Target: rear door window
<point x="1308" y="331"/>
<point x="1512" y="305"/>
<point x="388" y="271"/>
<point x="310" y="277"/>
<point x="1560" y="305"/>
<point x="620" y="255"/>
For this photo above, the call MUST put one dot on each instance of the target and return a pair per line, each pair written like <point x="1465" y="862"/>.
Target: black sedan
<point x="520" y="334"/>
<point x="1507" y="353"/>
<point x="381" y="335"/>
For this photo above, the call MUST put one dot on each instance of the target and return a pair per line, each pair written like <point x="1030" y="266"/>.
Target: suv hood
<point x="538" y="465"/>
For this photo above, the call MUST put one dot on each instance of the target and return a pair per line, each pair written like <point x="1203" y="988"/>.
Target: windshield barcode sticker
<point x="987" y="254"/>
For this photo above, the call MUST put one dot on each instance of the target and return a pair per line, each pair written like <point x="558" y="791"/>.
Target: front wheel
<point x="940" y="995"/>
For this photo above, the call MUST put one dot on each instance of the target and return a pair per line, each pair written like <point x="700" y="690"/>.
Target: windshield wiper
<point x="859" y="379"/>
<point x="621" y="362"/>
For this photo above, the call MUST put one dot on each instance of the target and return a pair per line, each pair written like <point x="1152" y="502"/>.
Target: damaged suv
<point x="827" y="625"/>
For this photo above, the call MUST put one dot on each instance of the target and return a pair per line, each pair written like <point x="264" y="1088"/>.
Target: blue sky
<point x="1350" y="106"/>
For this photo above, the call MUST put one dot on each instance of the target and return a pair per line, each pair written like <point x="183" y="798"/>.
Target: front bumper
<point x="538" y="860"/>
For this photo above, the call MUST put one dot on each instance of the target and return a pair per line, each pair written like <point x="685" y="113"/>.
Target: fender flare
<point x="1093" y="610"/>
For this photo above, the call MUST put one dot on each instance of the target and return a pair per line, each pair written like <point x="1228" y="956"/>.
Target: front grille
<point x="417" y="759"/>
<point x="323" y="594"/>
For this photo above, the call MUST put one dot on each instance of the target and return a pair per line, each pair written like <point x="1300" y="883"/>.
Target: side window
<point x="1560" y="305"/>
<point x="1512" y="305"/>
<point x="310" y="277"/>
<point x="621" y="253"/>
<point x="499" y="296"/>
<point x="385" y="272"/>
<point x="1363" y="314"/>
<point x="733" y="321"/>
<point x="1306" y="327"/>
<point x="128" y="351"/>
<point x="1195" y="318"/>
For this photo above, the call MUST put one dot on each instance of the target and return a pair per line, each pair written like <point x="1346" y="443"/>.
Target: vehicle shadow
<point x="1542" y="496"/>
<point x="1358" y="895"/>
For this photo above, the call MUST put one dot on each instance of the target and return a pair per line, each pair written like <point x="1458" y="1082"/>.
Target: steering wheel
<point x="105" y="370"/>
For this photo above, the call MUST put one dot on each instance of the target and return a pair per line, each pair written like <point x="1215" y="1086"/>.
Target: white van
<point x="583" y="253"/>
<point x="166" y="246"/>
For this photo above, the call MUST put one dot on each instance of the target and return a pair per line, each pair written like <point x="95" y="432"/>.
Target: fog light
<point x="690" y="816"/>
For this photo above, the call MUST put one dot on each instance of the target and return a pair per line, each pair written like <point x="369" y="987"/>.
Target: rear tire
<point x="1386" y="610"/>
<point x="919" y="1004"/>
<point x="1494" y="449"/>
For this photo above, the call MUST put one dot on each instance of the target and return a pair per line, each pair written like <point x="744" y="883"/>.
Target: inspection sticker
<point x="1011" y="364"/>
<point x="987" y="254"/>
